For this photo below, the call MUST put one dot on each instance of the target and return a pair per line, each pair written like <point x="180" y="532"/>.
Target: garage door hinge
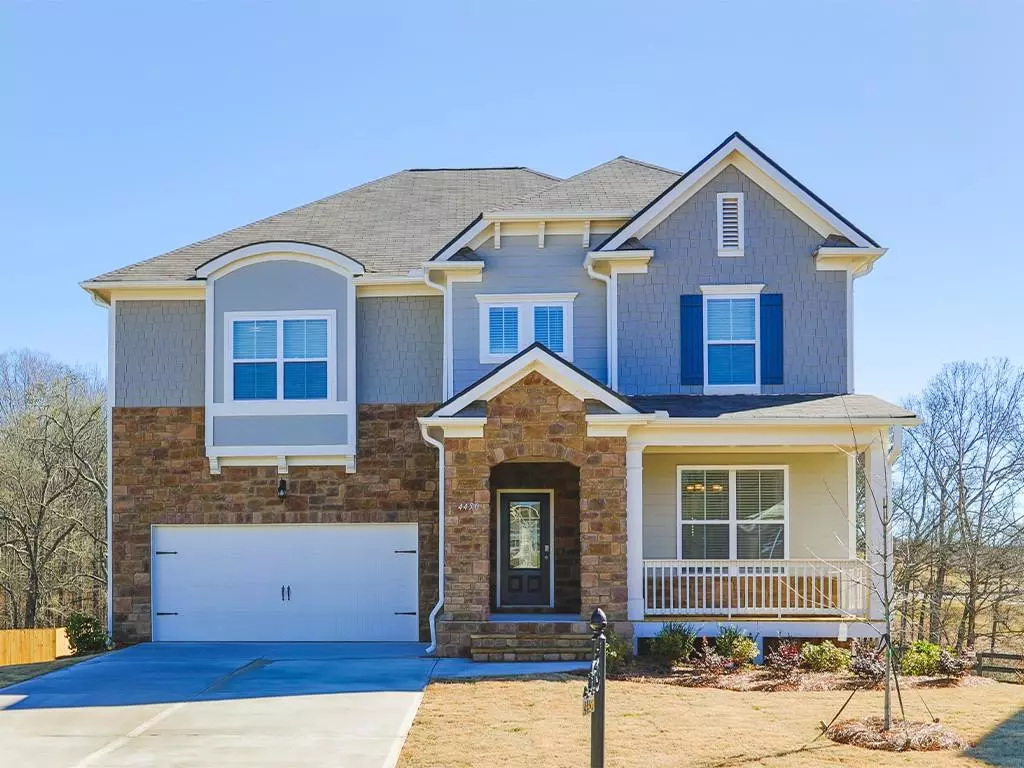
<point x="405" y="551"/>
<point x="167" y="613"/>
<point x="405" y="613"/>
<point x="165" y="552"/>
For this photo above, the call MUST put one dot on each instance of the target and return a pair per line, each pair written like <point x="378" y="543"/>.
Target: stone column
<point x="467" y="531"/>
<point x="635" y="531"/>
<point x="603" y="529"/>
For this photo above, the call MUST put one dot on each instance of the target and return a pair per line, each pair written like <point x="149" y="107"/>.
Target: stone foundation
<point x="161" y="476"/>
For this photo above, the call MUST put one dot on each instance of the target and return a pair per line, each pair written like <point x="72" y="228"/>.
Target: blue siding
<point x="519" y="266"/>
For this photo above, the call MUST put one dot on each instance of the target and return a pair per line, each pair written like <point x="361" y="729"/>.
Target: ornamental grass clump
<point x="735" y="645"/>
<point x="674" y="643"/>
<point x="870" y="733"/>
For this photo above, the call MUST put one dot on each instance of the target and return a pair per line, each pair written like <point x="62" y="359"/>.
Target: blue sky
<point x="133" y="128"/>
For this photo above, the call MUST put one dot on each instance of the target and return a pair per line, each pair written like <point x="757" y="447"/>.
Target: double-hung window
<point x="286" y="356"/>
<point x="732" y="513"/>
<point x="731" y="331"/>
<point x="510" y="323"/>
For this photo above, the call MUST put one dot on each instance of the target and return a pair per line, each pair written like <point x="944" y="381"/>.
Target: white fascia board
<point x="284" y="249"/>
<point x="856" y="261"/>
<point x="452" y="248"/>
<point x="621" y="261"/>
<point x="552" y="368"/>
<point x="455" y="266"/>
<point x="557" y="215"/>
<point x="103" y="292"/>
<point x="698" y="177"/>
<point x="456" y="426"/>
<point x="393" y="285"/>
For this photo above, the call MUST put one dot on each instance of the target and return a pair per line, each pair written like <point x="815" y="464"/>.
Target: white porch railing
<point x="757" y="587"/>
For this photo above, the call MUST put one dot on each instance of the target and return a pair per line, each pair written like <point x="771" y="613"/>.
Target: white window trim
<point x="524" y="303"/>
<point x="281" y="406"/>
<point x="734" y="389"/>
<point x="733" y="522"/>
<point x="720" y="199"/>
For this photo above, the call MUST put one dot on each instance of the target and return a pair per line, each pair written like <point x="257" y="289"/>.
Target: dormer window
<point x="509" y="323"/>
<point x="730" y="224"/>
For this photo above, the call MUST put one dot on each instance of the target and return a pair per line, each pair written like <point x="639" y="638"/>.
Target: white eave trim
<point x="281" y="249"/>
<point x="551" y="367"/>
<point x="747" y="160"/>
<point x="557" y="215"/>
<point x="103" y="292"/>
<point x="456" y="426"/>
<point x="856" y="261"/>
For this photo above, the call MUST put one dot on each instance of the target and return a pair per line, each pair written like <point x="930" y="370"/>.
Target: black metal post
<point x="598" y="623"/>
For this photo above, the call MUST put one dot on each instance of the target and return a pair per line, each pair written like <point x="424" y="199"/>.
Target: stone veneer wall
<point x="534" y="418"/>
<point x="162" y="476"/>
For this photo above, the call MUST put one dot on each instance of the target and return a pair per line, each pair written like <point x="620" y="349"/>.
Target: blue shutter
<point x="771" y="338"/>
<point x="691" y="321"/>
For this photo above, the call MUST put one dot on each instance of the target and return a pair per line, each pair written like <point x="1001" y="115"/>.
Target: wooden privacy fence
<point x="1008" y="667"/>
<point x="28" y="646"/>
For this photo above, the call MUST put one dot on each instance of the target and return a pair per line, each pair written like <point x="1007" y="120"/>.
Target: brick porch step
<point x="530" y="646"/>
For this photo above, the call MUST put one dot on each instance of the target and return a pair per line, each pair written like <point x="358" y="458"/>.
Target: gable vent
<point x="730" y="224"/>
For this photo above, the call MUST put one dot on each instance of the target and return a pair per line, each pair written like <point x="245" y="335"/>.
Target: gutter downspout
<point x="896" y="449"/>
<point x="424" y="431"/>
<point x="611" y="321"/>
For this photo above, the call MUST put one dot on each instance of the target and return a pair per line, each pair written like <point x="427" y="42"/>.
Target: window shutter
<point x="691" y="320"/>
<point x="771" y="338"/>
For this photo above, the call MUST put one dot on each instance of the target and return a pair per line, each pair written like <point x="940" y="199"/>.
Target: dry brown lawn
<point x="651" y="724"/>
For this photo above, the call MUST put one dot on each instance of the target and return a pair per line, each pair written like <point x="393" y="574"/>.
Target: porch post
<point x="635" y="531"/>
<point x="876" y="492"/>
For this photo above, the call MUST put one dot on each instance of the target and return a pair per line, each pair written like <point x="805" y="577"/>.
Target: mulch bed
<point x="756" y="679"/>
<point x="902" y="737"/>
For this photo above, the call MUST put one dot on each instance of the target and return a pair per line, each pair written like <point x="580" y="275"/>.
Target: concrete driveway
<point x="200" y="704"/>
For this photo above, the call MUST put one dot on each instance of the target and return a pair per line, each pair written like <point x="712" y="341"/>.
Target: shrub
<point x="921" y="658"/>
<point x="707" y="662"/>
<point x="674" y="643"/>
<point x="955" y="665"/>
<point x="825" y="657"/>
<point x="735" y="645"/>
<point x="85" y="634"/>
<point x="784" y="661"/>
<point x="618" y="653"/>
<point x="869" y="667"/>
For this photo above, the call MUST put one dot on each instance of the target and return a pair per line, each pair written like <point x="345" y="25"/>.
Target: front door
<point x="524" y="562"/>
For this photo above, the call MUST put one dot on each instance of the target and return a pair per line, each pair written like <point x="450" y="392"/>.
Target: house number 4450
<point x="469" y="506"/>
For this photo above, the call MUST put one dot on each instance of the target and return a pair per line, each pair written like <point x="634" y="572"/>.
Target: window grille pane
<point x="305" y="338"/>
<point x="548" y="327"/>
<point x="705" y="495"/>
<point x="731" y="364"/>
<point x="305" y="381"/>
<point x="503" y="330"/>
<point x="760" y="541"/>
<point x="254" y="339"/>
<point x="759" y="494"/>
<point x="731" y="319"/>
<point x="255" y="381"/>
<point x="705" y="541"/>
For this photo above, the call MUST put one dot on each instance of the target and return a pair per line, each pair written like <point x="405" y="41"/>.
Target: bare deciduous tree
<point x="53" y="490"/>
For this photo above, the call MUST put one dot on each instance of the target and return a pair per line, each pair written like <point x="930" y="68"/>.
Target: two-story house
<point x="471" y="405"/>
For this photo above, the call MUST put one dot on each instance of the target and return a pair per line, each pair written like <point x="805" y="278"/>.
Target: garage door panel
<point x="354" y="582"/>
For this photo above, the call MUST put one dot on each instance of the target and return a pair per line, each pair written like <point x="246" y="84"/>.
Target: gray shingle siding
<point x="160" y="348"/>
<point x="280" y="430"/>
<point x="519" y="266"/>
<point x="399" y="349"/>
<point x="778" y="251"/>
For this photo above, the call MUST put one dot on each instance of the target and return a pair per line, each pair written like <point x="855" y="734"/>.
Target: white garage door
<point x="285" y="582"/>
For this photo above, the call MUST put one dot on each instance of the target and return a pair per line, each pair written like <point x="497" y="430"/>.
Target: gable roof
<point x="621" y="185"/>
<point x="539" y="358"/>
<point x="692" y="180"/>
<point x="390" y="225"/>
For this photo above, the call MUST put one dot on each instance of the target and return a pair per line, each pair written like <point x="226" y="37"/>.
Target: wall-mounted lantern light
<point x="282" y="489"/>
